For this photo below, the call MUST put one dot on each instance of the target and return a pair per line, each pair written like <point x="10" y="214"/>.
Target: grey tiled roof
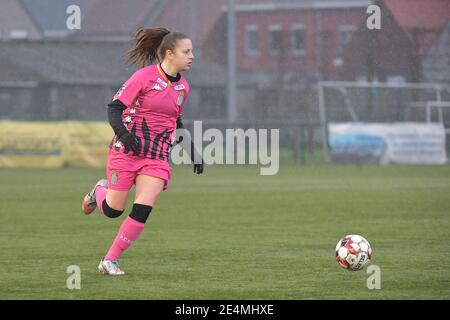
<point x="51" y="15"/>
<point x="84" y="62"/>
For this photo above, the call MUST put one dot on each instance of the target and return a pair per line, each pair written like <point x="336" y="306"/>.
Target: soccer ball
<point x="353" y="252"/>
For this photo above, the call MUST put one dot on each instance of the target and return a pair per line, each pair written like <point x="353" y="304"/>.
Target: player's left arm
<point x="187" y="144"/>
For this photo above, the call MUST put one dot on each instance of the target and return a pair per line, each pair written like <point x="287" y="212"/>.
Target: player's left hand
<point x="198" y="168"/>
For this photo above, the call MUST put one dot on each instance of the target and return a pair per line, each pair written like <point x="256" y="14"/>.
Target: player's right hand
<point x="129" y="141"/>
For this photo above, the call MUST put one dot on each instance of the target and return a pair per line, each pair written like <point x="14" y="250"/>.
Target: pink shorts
<point x="122" y="170"/>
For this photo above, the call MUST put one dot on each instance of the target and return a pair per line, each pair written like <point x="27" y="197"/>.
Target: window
<point x="275" y="39"/>
<point x="298" y="39"/>
<point x="344" y="37"/>
<point x="396" y="79"/>
<point x="251" y="40"/>
<point x="18" y="34"/>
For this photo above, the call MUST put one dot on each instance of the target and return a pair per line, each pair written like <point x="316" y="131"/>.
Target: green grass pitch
<point x="232" y="234"/>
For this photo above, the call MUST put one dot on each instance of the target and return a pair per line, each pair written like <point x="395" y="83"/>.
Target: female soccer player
<point x="144" y="115"/>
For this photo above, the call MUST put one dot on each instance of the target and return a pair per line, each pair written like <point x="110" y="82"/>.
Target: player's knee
<point x="110" y="212"/>
<point x="140" y="212"/>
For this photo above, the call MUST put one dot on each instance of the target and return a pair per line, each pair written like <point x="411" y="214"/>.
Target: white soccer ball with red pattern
<point x="353" y="252"/>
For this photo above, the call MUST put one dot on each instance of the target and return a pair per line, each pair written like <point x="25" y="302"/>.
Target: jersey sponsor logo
<point x="162" y="82"/>
<point x="157" y="87"/>
<point x="179" y="87"/>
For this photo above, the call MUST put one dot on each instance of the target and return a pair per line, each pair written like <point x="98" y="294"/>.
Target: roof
<point x="84" y="62"/>
<point x="116" y="17"/>
<point x="435" y="64"/>
<point x="64" y="62"/>
<point x="51" y="15"/>
<point x="195" y="18"/>
<point x="13" y="16"/>
<point x="419" y="13"/>
<point x="423" y="20"/>
<point x="270" y="5"/>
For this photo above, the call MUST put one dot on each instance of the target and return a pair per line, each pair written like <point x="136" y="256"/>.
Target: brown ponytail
<point x="151" y="44"/>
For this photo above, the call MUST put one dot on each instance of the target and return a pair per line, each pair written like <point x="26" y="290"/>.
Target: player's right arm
<point x="124" y="98"/>
<point x="115" y="110"/>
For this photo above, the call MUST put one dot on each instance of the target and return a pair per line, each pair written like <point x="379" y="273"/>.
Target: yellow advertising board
<point x="54" y="144"/>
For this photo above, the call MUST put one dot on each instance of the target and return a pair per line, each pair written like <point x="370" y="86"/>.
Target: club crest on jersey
<point x="180" y="98"/>
<point x="162" y="82"/>
<point x="179" y="87"/>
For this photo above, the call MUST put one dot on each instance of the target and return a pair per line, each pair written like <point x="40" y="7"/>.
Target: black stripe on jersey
<point x="138" y="148"/>
<point x="156" y="144"/>
<point x="146" y="134"/>
<point x="161" y="152"/>
<point x="168" y="150"/>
